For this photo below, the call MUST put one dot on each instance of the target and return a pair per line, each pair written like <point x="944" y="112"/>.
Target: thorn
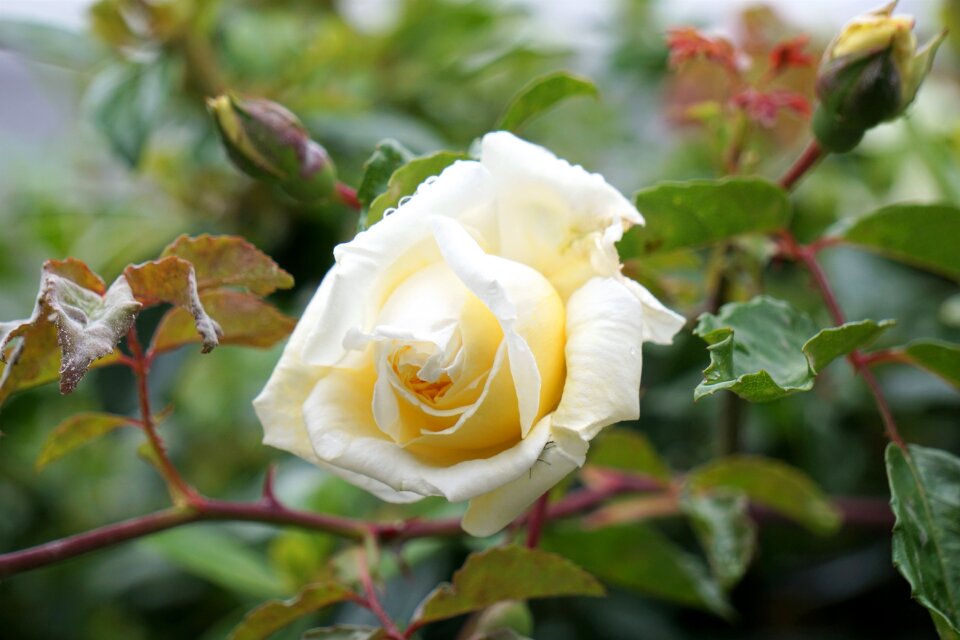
<point x="268" y="496"/>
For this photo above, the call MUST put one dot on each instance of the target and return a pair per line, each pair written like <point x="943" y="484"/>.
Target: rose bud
<point x="869" y="74"/>
<point x="266" y="141"/>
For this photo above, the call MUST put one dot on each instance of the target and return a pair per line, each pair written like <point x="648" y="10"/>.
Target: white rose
<point x="471" y="344"/>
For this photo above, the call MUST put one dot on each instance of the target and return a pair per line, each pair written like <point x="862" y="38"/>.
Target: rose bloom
<point x="473" y="342"/>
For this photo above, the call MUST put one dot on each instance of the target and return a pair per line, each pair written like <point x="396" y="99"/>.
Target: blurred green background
<point x="107" y="154"/>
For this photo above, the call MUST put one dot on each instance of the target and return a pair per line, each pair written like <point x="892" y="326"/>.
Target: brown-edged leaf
<point x="506" y="573"/>
<point x="87" y="320"/>
<point x="76" y="431"/>
<point x="173" y="280"/>
<point x="229" y="261"/>
<point x="276" y="614"/>
<point x="243" y="318"/>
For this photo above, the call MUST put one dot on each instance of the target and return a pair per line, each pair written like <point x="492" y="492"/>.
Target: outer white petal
<point x="344" y="436"/>
<point x="660" y="323"/>
<point x="375" y="261"/>
<point x="279" y="405"/>
<point x="605" y="330"/>
<point x="557" y="218"/>
<point x="491" y="512"/>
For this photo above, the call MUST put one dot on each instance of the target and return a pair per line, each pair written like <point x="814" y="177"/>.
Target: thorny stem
<point x="141" y="369"/>
<point x="807" y="255"/>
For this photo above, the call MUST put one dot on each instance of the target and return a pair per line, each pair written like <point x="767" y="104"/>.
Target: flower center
<point x="403" y="362"/>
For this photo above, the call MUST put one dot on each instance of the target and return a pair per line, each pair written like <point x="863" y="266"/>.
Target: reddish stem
<point x="371" y="601"/>
<point x="348" y="196"/>
<point x="141" y="371"/>
<point x="807" y="160"/>
<point x="883" y="357"/>
<point x="536" y="519"/>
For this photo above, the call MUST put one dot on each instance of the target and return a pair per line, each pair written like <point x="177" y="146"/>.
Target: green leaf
<point x="682" y="215"/>
<point x="127" y="102"/>
<point x="629" y="451"/>
<point x="388" y="156"/>
<point x="276" y="614"/>
<point x="772" y="484"/>
<point x="406" y="179"/>
<point x="217" y="556"/>
<point x="505" y="573"/>
<point x="172" y="280"/>
<point x="638" y="557"/>
<point x="345" y="632"/>
<point x="244" y="320"/>
<point x="925" y="498"/>
<point x="937" y="357"/>
<point x="725" y="530"/>
<point x="922" y="235"/>
<point x="762" y="350"/>
<point x="541" y="94"/>
<point x="229" y="261"/>
<point x="76" y="431"/>
<point x="89" y="321"/>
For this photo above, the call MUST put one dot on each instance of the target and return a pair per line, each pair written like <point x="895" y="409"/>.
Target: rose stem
<point x="141" y="369"/>
<point x="348" y="196"/>
<point x="807" y="255"/>
<point x="371" y="601"/>
<point x="807" y="160"/>
<point x="535" y="520"/>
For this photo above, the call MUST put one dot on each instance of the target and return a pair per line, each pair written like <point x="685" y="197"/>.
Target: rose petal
<point x="527" y="308"/>
<point x="555" y="217"/>
<point x="371" y="265"/>
<point x="491" y="512"/>
<point x="660" y="324"/>
<point x="340" y="421"/>
<point x="605" y="330"/>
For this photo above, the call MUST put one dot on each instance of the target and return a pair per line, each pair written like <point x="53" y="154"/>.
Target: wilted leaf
<point x="923" y="235"/>
<point x="88" y="322"/>
<point x="763" y="350"/>
<point x="937" y="357"/>
<point x="76" y="431"/>
<point x="638" y="557"/>
<point x="345" y="632"/>
<point x="770" y="483"/>
<point x="925" y="497"/>
<point x="276" y="614"/>
<point x="540" y="94"/>
<point x="725" y="530"/>
<point x="628" y="451"/>
<point x="388" y="156"/>
<point x="173" y="280"/>
<point x="244" y="320"/>
<point x="690" y="214"/>
<point x="229" y="261"/>
<point x="406" y="179"/>
<point x="505" y="573"/>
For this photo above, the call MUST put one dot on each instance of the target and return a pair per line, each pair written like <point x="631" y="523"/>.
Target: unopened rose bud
<point x="869" y="74"/>
<point x="266" y="141"/>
